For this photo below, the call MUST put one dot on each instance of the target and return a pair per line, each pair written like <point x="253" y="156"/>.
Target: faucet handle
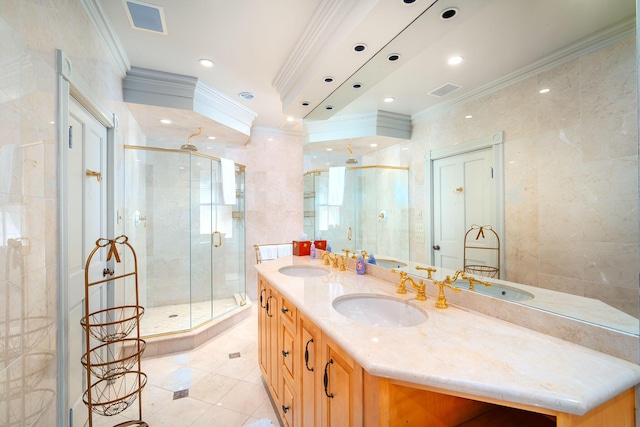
<point x="442" y="301"/>
<point x="342" y="267"/>
<point x="429" y="270"/>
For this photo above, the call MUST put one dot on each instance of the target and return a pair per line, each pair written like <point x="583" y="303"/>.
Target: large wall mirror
<point x="566" y="103"/>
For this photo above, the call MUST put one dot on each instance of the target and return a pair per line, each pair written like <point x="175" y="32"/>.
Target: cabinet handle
<point x="262" y="297"/>
<point x="306" y="356"/>
<point x="284" y="310"/>
<point x="285" y="409"/>
<point x="285" y="353"/>
<point x="267" y="306"/>
<point x="326" y="378"/>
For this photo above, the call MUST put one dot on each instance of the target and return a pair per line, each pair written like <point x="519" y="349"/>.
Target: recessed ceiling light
<point x="329" y="149"/>
<point x="305" y="103"/>
<point x="356" y="85"/>
<point x="328" y="107"/>
<point x="455" y="60"/>
<point x="449" y="13"/>
<point x="165" y="121"/>
<point x="373" y="145"/>
<point x="206" y="63"/>
<point x="468" y="116"/>
<point x="211" y="137"/>
<point x="389" y="99"/>
<point x="360" y="47"/>
<point x="408" y="1"/>
<point x="209" y="148"/>
<point x="290" y="119"/>
<point x="545" y="90"/>
<point x="393" y="57"/>
<point x="247" y="96"/>
<point x="328" y="79"/>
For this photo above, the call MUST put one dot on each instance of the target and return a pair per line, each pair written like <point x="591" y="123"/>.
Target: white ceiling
<point x="281" y="50"/>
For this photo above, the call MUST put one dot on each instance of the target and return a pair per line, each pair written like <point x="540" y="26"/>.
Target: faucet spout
<point x="420" y="286"/>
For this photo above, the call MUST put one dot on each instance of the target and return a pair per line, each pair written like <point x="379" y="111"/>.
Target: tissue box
<point x="320" y="244"/>
<point x="301" y="248"/>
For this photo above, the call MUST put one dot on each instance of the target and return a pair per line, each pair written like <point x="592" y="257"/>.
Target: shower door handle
<point x="349" y="234"/>
<point x="213" y="239"/>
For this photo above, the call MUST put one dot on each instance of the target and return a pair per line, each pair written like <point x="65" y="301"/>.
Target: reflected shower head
<point x="189" y="146"/>
<point x="351" y="160"/>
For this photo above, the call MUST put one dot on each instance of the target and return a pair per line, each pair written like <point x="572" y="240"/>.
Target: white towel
<point x="268" y="252"/>
<point x="228" y="169"/>
<point x="323" y="218"/>
<point x="336" y="185"/>
<point x="285" y="250"/>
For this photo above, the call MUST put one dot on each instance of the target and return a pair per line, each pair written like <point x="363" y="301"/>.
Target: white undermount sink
<point x="390" y="263"/>
<point x="497" y="291"/>
<point x="303" y="271"/>
<point x="379" y="310"/>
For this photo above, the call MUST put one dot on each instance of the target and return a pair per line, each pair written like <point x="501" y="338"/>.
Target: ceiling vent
<point x="445" y="89"/>
<point x="146" y="17"/>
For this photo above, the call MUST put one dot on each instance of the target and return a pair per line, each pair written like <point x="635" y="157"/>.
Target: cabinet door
<point x="263" y="330"/>
<point x="272" y="316"/>
<point x="309" y="373"/>
<point x="341" y="387"/>
<point x="268" y="300"/>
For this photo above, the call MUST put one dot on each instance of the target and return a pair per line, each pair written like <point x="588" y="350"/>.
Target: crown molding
<point x="374" y="123"/>
<point x="162" y="89"/>
<point x="108" y="35"/>
<point x="587" y="45"/>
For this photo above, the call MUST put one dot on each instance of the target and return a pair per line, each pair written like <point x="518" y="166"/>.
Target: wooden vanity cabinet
<point x="310" y="380"/>
<point x="268" y="315"/>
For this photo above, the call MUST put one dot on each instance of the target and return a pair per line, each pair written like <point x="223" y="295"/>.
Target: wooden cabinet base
<point x="395" y="403"/>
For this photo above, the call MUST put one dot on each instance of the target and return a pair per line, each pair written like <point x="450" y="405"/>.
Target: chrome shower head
<point x="351" y="160"/>
<point x="189" y="146"/>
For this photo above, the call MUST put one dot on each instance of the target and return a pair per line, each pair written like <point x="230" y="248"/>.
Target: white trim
<point x="372" y="123"/>
<point x="494" y="141"/>
<point x="162" y="89"/>
<point x="108" y="35"/>
<point x="73" y="85"/>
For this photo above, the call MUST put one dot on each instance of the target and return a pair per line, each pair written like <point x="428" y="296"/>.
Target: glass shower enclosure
<point x="189" y="236"/>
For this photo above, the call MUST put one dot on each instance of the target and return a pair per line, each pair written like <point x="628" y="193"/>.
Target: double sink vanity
<point x="341" y="349"/>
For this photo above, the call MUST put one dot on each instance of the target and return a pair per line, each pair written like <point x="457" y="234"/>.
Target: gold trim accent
<point x="404" y="168"/>
<point x="174" y="150"/>
<point x="90" y="174"/>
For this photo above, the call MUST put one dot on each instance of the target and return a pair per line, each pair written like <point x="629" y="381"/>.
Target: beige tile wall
<point x="571" y="173"/>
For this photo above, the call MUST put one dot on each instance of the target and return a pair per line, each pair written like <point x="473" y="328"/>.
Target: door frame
<point x="495" y="141"/>
<point x="70" y="84"/>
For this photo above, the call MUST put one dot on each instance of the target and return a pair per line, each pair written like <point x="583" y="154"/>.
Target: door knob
<point x="436" y="247"/>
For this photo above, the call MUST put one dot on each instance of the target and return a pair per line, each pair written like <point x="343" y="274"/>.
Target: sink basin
<point x="390" y="263"/>
<point x="498" y="291"/>
<point x="303" y="271"/>
<point x="379" y="310"/>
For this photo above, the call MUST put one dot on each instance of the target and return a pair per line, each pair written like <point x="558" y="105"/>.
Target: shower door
<point x="190" y="244"/>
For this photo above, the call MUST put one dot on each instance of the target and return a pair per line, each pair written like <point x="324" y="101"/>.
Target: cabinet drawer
<point x="288" y="313"/>
<point x="287" y="409"/>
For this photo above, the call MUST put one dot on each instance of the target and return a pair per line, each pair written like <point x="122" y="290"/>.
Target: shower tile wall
<point x="571" y="173"/>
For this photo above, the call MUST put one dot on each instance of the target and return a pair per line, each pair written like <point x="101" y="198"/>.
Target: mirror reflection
<point x="570" y="213"/>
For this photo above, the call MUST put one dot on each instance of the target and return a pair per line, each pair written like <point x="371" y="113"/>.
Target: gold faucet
<point x="429" y="270"/>
<point x="342" y="267"/>
<point x="472" y="280"/>
<point x="327" y="257"/>
<point x="448" y="282"/>
<point x="346" y="251"/>
<point x="420" y="287"/>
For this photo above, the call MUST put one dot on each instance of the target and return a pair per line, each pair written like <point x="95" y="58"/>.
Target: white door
<point x="463" y="195"/>
<point x="87" y="222"/>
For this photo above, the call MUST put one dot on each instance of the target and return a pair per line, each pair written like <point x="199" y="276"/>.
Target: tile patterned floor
<point x="222" y="391"/>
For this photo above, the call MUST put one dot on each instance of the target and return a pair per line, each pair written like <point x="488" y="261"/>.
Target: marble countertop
<point x="457" y="349"/>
